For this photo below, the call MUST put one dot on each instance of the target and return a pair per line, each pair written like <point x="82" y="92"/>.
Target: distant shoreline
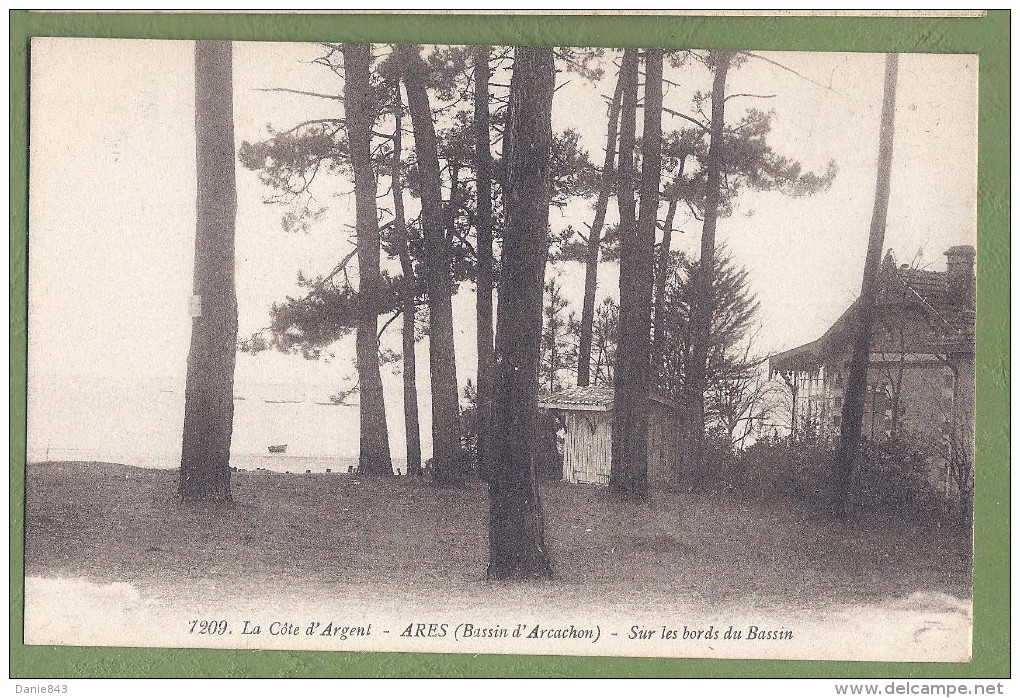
<point x="277" y="462"/>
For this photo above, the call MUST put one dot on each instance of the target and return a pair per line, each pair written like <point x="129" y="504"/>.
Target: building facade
<point x="921" y="378"/>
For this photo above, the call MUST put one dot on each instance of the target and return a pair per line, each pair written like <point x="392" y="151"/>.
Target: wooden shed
<point x="587" y="418"/>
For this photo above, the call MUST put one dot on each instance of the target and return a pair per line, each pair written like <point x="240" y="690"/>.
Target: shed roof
<point x="590" y="398"/>
<point x="579" y="398"/>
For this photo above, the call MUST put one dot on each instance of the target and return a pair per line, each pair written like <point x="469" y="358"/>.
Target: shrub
<point x="896" y="477"/>
<point x="891" y="477"/>
<point x="719" y="460"/>
<point x="796" y="470"/>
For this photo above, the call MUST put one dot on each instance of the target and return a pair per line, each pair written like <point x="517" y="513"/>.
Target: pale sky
<point x="112" y="197"/>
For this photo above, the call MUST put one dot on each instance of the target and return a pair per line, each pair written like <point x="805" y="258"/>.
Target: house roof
<point x="806" y="357"/>
<point x="932" y="291"/>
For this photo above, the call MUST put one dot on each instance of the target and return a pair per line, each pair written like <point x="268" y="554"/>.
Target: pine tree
<point x="516" y="536"/>
<point x="447" y="459"/>
<point x="209" y="392"/>
<point x="629" y="470"/>
<point x="483" y="245"/>
<point x="594" y="241"/>
<point x="694" y="441"/>
<point x="857" y="374"/>
<point x="374" y="452"/>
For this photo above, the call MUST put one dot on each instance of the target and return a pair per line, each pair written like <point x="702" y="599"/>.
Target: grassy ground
<point x="114" y="523"/>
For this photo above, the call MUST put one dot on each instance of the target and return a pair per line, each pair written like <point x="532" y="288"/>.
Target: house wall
<point x="966" y="394"/>
<point x="932" y="402"/>
<point x="922" y="397"/>
<point x="815" y="402"/>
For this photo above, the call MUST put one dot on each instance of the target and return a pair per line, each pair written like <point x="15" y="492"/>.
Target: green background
<point x="987" y="36"/>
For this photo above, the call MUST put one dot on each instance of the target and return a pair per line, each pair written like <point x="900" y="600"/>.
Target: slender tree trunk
<point x="591" y="262"/>
<point x="209" y="393"/>
<point x="412" y="430"/>
<point x="453" y="205"/>
<point x="374" y="454"/>
<point x="462" y="464"/>
<point x="702" y="301"/>
<point x="552" y="335"/>
<point x="483" y="245"/>
<point x="896" y="380"/>
<point x="625" y="183"/>
<point x="661" y="275"/>
<point x="629" y="469"/>
<point x="897" y="386"/>
<point x="793" y="407"/>
<point x="447" y="460"/>
<point x="626" y="178"/>
<point x="516" y="537"/>
<point x="857" y="379"/>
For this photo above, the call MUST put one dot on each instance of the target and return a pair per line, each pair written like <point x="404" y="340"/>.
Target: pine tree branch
<point x="747" y="94"/>
<point x="789" y="70"/>
<point x="694" y="121"/>
<point x="339" y="267"/>
<point x="339" y="122"/>
<point x="389" y="322"/>
<point x="320" y="95"/>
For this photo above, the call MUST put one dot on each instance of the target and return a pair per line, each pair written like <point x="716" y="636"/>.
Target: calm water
<point x="140" y="423"/>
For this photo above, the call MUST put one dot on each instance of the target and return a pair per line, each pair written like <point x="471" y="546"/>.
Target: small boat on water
<point x="281" y="448"/>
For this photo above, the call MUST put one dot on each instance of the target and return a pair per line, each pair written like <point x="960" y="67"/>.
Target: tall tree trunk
<point x="447" y="460"/>
<point x="516" y="538"/>
<point x="626" y="177"/>
<point x="483" y="245"/>
<point x="857" y="379"/>
<point x="702" y="301"/>
<point x="412" y="430"/>
<point x="209" y="393"/>
<point x="661" y="275"/>
<point x="629" y="469"/>
<point x="591" y="262"/>
<point x="374" y="454"/>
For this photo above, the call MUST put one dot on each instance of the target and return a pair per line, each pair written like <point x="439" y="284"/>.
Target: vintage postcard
<point x="501" y="349"/>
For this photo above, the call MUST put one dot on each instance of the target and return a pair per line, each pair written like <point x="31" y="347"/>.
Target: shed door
<point x="588" y="448"/>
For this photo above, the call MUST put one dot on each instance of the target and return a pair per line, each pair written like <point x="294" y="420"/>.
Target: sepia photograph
<point x="529" y="350"/>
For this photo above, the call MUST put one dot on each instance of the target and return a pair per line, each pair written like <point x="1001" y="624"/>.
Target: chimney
<point x="960" y="266"/>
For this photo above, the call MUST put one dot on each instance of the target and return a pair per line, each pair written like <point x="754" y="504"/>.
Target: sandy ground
<point x="113" y="559"/>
